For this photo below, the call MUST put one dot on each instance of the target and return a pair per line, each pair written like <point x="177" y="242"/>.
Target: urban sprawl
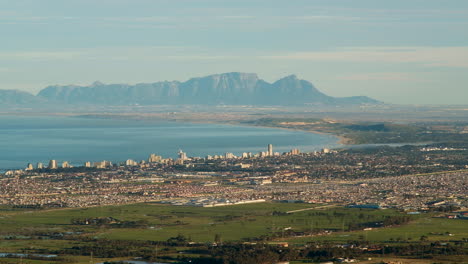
<point x="410" y="178"/>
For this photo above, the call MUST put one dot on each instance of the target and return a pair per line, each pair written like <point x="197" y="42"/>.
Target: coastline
<point x="303" y="139"/>
<point x="342" y="140"/>
<point x="163" y="117"/>
<point x="222" y="118"/>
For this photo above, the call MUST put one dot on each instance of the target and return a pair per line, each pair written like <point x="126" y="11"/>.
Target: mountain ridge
<point x="233" y="88"/>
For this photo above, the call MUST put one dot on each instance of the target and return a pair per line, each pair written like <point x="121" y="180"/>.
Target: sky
<point x="398" y="51"/>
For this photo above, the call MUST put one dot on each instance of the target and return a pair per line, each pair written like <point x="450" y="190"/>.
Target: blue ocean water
<point x="27" y="139"/>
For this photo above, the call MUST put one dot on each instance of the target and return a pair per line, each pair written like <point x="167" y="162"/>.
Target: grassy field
<point x="25" y="231"/>
<point x="200" y="224"/>
<point x="434" y="229"/>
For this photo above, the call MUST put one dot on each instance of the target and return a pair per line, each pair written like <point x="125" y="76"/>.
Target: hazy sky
<point x="398" y="51"/>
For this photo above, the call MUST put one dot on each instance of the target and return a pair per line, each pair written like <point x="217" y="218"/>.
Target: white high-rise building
<point x="270" y="150"/>
<point x="130" y="162"/>
<point x="228" y="155"/>
<point x="182" y="155"/>
<point x="102" y="164"/>
<point x="66" y="165"/>
<point x="40" y="165"/>
<point x="53" y="164"/>
<point x="153" y="158"/>
<point x="30" y="167"/>
<point x="295" y="152"/>
<point x="87" y="164"/>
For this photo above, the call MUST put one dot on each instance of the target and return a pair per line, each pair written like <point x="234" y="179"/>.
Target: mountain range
<point x="228" y="88"/>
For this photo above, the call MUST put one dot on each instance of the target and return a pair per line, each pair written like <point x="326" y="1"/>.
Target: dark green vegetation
<point x="374" y="132"/>
<point x="243" y="233"/>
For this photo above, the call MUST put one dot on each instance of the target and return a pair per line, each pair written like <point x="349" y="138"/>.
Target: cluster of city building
<point x="153" y="158"/>
<point x="413" y="193"/>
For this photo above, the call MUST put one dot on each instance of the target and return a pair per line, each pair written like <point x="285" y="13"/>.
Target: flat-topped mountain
<point x="228" y="88"/>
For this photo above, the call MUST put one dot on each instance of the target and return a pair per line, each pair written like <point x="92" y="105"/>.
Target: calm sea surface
<point x="38" y="139"/>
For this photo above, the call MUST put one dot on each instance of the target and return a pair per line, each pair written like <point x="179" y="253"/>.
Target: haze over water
<point x="77" y="140"/>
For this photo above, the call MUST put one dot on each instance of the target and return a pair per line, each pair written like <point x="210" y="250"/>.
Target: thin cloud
<point x="40" y="55"/>
<point x="113" y="54"/>
<point x="242" y="17"/>
<point x="381" y="76"/>
<point x="426" y="56"/>
<point x="422" y="56"/>
<point x="318" y="18"/>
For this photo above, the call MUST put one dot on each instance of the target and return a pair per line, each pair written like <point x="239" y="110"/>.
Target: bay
<point x="32" y="139"/>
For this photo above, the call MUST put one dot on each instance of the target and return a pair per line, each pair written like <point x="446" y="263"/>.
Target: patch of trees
<point x="247" y="254"/>
<point x="110" y="222"/>
<point x="225" y="218"/>
<point x="360" y="226"/>
<point x="396" y="220"/>
<point x="240" y="253"/>
<point x="27" y="206"/>
<point x="425" y="250"/>
<point x="370" y="127"/>
<point x="445" y="209"/>
<point x="278" y="213"/>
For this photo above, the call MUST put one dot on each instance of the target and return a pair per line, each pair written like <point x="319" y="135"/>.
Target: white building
<point x="65" y="165"/>
<point x="30" y="167"/>
<point x="130" y="162"/>
<point x="229" y="156"/>
<point x="153" y="158"/>
<point x="53" y="164"/>
<point x="182" y="155"/>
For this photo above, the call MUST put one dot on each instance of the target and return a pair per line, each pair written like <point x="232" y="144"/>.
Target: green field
<point x="199" y="224"/>
<point x="434" y="229"/>
<point x="31" y="231"/>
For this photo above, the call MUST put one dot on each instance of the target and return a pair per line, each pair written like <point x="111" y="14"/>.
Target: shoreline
<point x="200" y="118"/>
<point x="309" y="144"/>
<point x="342" y="140"/>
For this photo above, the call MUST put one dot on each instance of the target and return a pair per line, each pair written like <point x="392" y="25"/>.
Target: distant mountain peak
<point x="291" y="80"/>
<point x="232" y="75"/>
<point x="97" y="83"/>
<point x="290" y="77"/>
